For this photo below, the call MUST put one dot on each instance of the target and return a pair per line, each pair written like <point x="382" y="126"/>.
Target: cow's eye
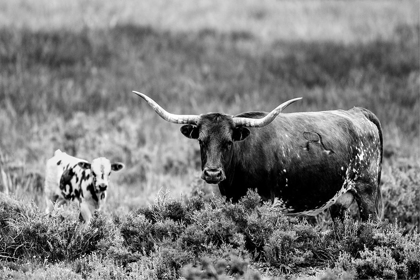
<point x="228" y="144"/>
<point x="93" y="174"/>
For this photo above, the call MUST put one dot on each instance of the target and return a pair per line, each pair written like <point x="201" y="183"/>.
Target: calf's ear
<point x="240" y="133"/>
<point x="117" y="166"/>
<point x="84" y="165"/>
<point x="190" y="131"/>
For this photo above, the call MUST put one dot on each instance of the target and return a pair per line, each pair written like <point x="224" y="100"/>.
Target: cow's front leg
<point x="54" y="202"/>
<point x="85" y="212"/>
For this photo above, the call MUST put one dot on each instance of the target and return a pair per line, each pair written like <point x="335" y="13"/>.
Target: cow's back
<point x="54" y="170"/>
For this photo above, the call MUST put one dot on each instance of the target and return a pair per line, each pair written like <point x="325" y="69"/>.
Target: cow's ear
<point x="84" y="165"/>
<point x="117" y="166"/>
<point x="190" y="131"/>
<point x="240" y="133"/>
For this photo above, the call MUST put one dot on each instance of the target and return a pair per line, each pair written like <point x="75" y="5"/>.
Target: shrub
<point x="137" y="233"/>
<point x="220" y="269"/>
<point x="165" y="208"/>
<point x="169" y="262"/>
<point x="217" y="227"/>
<point x="387" y="254"/>
<point x="49" y="271"/>
<point x="378" y="263"/>
<point x="354" y="236"/>
<point x="27" y="232"/>
<point x="401" y="193"/>
<point x="257" y="232"/>
<point x="193" y="238"/>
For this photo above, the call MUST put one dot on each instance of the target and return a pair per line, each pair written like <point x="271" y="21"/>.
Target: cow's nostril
<point x="213" y="175"/>
<point x="213" y="172"/>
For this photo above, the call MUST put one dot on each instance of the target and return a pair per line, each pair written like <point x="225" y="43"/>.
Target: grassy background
<point x="67" y="70"/>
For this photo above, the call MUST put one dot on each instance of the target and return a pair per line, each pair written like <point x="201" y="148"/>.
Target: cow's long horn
<point x="248" y="122"/>
<point x="181" y="119"/>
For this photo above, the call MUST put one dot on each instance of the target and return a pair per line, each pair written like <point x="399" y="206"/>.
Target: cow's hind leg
<point x="345" y="203"/>
<point x="367" y="197"/>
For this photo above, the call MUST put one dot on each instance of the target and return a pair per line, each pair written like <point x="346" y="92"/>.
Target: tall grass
<point x="267" y="20"/>
<point x="58" y="73"/>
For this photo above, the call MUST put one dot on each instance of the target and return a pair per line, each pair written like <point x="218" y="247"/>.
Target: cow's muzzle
<point x="213" y="175"/>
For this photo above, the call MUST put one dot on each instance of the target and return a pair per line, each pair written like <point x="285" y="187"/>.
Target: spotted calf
<point x="68" y="178"/>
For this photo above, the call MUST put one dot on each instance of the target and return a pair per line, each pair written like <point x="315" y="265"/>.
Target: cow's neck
<point x="229" y="186"/>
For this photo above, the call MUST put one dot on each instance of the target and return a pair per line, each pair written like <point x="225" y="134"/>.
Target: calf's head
<point x="100" y="170"/>
<point x="216" y="134"/>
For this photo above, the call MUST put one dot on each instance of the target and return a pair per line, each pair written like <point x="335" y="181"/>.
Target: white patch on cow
<point x="101" y="167"/>
<point x="362" y="155"/>
<point x="347" y="185"/>
<point x="278" y="203"/>
<point x="284" y="170"/>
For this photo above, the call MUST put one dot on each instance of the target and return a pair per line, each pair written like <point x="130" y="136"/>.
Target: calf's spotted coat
<point x="69" y="178"/>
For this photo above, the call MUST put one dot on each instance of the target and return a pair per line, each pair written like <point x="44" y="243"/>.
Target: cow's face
<point x="100" y="170"/>
<point x="216" y="134"/>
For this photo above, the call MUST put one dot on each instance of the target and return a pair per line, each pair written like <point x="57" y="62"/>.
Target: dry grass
<point x="268" y="20"/>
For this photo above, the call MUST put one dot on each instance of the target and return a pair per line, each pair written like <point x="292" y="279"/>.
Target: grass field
<point x="67" y="70"/>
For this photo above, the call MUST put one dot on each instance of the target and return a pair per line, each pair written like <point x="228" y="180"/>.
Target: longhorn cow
<point x="307" y="161"/>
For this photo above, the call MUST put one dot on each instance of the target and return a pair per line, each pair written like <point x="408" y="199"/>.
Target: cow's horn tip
<point x="138" y="93"/>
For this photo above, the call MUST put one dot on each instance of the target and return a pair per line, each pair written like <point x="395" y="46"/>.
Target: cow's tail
<point x="378" y="201"/>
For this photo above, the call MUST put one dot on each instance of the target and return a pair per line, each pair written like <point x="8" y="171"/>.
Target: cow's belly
<point x="314" y="191"/>
<point x="311" y="186"/>
<point x="313" y="201"/>
<point x="343" y="197"/>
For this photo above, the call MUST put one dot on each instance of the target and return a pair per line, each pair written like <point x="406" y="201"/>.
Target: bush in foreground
<point x="167" y="240"/>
